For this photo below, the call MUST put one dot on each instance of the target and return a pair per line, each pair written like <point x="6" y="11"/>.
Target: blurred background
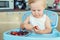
<point x="11" y="12"/>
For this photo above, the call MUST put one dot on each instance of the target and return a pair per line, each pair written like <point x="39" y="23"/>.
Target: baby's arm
<point x="26" y="24"/>
<point x="48" y="27"/>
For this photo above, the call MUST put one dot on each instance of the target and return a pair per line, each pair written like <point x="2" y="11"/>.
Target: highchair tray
<point x="31" y="35"/>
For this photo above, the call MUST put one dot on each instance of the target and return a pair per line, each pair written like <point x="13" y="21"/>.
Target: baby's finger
<point x="37" y="27"/>
<point x="35" y="30"/>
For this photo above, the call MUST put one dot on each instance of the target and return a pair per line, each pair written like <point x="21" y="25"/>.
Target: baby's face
<point x="37" y="9"/>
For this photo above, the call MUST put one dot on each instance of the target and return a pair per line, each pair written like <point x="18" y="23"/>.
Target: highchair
<point x="54" y="35"/>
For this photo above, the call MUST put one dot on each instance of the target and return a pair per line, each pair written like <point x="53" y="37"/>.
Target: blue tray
<point x="31" y="36"/>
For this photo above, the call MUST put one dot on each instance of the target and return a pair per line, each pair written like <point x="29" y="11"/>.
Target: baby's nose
<point x="36" y="11"/>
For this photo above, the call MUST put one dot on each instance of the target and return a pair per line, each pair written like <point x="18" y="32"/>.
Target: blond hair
<point x="33" y="1"/>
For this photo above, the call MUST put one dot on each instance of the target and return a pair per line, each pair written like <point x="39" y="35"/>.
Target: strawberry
<point x="35" y="27"/>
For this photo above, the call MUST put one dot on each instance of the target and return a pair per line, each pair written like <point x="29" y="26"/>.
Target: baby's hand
<point x="22" y="25"/>
<point x="36" y="27"/>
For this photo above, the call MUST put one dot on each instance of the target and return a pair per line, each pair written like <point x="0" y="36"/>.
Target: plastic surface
<point x="55" y="35"/>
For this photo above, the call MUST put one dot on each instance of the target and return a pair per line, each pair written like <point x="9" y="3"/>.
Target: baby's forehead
<point x="36" y="8"/>
<point x="40" y="3"/>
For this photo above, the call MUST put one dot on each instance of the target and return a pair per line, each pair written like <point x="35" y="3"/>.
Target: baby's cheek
<point x="33" y="13"/>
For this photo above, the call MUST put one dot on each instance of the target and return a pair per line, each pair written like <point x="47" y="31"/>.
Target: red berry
<point x="19" y="33"/>
<point x="35" y="27"/>
<point x="13" y="33"/>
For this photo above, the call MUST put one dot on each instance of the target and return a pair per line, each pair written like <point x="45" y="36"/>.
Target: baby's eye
<point x="38" y="10"/>
<point x="33" y="10"/>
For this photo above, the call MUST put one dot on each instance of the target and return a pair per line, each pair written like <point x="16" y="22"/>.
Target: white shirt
<point x="40" y="22"/>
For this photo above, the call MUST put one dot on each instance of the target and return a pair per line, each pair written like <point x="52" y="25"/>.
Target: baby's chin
<point x="37" y="16"/>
